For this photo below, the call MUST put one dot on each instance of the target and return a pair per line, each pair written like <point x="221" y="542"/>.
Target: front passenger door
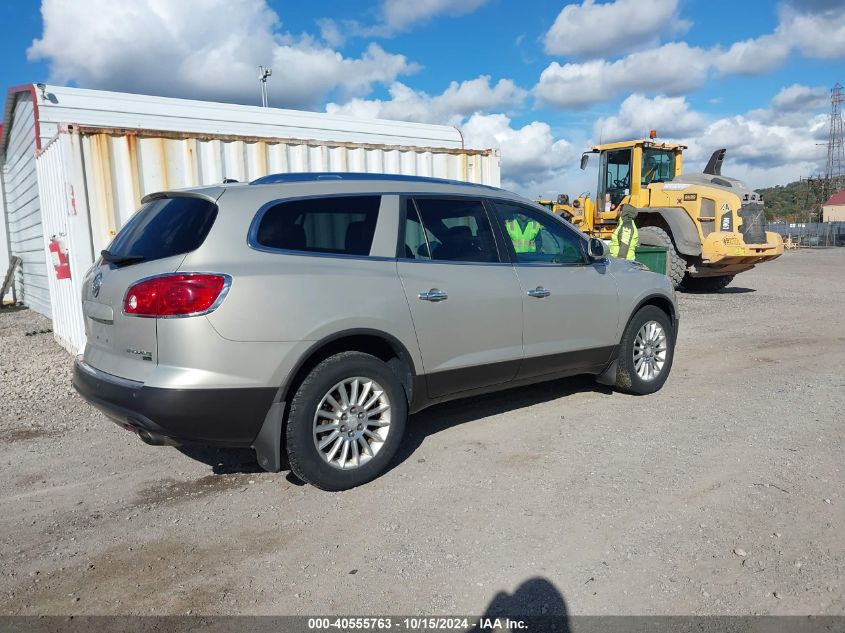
<point x="570" y="304"/>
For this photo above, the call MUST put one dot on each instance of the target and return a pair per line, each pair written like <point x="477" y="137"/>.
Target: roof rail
<point x="275" y="179"/>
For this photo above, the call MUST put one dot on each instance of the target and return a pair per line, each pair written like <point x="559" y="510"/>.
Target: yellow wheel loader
<point x="713" y="226"/>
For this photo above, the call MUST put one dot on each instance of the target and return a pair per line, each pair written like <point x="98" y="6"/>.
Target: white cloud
<point x="206" y="49"/>
<point x="331" y="32"/>
<point x="808" y="27"/>
<point x="604" y="30"/>
<point x="530" y="154"/>
<point x="674" y="68"/>
<point x="798" y="98"/>
<point x="670" y="116"/>
<point x="757" y="144"/>
<point x="401" y="15"/>
<point x="813" y="28"/>
<point x="753" y="56"/>
<point x="819" y="35"/>
<point x="458" y="101"/>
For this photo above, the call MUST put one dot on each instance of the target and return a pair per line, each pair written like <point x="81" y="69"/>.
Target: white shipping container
<point x="98" y="153"/>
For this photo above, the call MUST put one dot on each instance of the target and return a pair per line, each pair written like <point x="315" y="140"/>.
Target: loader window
<point x="658" y="166"/>
<point x="616" y="172"/>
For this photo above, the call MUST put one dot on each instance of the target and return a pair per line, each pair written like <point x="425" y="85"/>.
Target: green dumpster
<point x="652" y="256"/>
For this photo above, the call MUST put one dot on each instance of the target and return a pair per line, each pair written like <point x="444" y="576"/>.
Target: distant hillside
<point x="787" y="202"/>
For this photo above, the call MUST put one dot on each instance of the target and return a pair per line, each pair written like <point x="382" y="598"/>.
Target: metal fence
<point x="810" y="234"/>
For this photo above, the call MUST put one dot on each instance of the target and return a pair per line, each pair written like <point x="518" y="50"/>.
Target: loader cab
<point x="627" y="169"/>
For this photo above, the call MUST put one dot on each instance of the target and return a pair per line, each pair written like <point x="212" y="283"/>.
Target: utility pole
<point x="263" y="74"/>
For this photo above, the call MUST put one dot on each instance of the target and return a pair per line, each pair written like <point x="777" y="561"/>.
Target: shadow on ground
<point x="445" y="416"/>
<point x="536" y="603"/>
<point x="730" y="290"/>
<point x="225" y="461"/>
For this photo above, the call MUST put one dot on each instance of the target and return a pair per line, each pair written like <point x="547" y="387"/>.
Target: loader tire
<point x="676" y="265"/>
<point x="706" y="284"/>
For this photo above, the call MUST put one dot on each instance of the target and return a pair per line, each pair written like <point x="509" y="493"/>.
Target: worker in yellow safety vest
<point x="523" y="234"/>
<point x="623" y="242"/>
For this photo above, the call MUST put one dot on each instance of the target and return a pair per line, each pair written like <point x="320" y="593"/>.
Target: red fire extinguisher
<point x="59" y="256"/>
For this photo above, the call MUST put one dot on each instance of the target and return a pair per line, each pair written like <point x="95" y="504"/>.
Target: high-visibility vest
<point x="523" y="239"/>
<point x="623" y="242"/>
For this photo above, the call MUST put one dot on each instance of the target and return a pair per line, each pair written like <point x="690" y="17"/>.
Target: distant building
<point x="834" y="209"/>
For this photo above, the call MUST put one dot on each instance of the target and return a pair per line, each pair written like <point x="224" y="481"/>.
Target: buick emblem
<point x="95" y="285"/>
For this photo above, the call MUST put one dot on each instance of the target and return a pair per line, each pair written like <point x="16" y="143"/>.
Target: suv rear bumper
<point x="222" y="417"/>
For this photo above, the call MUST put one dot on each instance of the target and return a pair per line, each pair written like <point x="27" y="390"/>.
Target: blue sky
<point x="540" y="79"/>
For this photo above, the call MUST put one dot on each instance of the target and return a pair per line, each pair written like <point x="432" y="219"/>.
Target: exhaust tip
<point x="154" y="439"/>
<point x="147" y="438"/>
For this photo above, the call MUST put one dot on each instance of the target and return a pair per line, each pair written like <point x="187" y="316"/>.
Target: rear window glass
<point x="163" y="228"/>
<point x="342" y="225"/>
<point x="452" y="229"/>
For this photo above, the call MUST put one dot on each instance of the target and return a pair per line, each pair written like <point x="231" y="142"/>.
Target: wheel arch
<point x="677" y="222"/>
<point x="659" y="301"/>
<point x="382" y="345"/>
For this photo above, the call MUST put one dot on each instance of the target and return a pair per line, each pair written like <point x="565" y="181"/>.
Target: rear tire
<point x="676" y="265"/>
<point x="706" y="284"/>
<point x="361" y="405"/>
<point x="640" y="343"/>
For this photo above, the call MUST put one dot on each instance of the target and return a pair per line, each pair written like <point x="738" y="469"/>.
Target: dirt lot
<point x="723" y="493"/>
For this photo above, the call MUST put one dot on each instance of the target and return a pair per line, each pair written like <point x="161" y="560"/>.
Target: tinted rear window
<point x="165" y="227"/>
<point x="342" y="225"/>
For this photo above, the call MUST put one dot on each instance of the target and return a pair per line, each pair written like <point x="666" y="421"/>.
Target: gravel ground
<point x="721" y="494"/>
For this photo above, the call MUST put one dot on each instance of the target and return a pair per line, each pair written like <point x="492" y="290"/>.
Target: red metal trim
<point x="30" y="88"/>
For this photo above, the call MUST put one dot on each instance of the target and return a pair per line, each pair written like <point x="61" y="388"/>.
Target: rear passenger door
<point x="570" y="304"/>
<point x="464" y="298"/>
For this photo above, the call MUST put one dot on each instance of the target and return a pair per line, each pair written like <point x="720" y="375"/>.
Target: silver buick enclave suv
<point x="311" y="313"/>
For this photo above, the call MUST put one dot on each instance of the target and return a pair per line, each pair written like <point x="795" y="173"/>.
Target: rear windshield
<point x="163" y="228"/>
<point x="341" y="225"/>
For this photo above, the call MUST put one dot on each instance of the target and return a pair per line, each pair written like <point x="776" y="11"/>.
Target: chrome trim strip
<point x="406" y="260"/>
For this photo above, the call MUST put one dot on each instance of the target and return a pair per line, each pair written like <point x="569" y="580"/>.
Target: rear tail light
<point x="189" y="294"/>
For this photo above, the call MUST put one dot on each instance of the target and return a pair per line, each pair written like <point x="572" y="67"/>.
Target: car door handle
<point x="539" y="292"/>
<point x="434" y="295"/>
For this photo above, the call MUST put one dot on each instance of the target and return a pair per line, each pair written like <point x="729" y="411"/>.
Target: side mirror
<point x="585" y="158"/>
<point x="597" y="249"/>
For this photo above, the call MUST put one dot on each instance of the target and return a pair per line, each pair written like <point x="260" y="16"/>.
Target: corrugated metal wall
<point x="122" y="166"/>
<point x="23" y="213"/>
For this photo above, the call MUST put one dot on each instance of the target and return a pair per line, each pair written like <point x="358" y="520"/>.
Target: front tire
<point x="346" y="421"/>
<point x="676" y="265"/>
<point x="645" y="352"/>
<point x="706" y="284"/>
